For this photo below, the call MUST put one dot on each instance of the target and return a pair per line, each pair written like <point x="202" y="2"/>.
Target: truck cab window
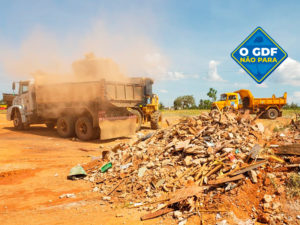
<point x="232" y="97"/>
<point x="24" y="89"/>
<point x="223" y="97"/>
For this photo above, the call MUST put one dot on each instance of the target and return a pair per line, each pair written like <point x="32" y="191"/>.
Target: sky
<point x="184" y="46"/>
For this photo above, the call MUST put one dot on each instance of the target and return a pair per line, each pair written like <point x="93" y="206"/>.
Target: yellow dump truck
<point x="243" y="99"/>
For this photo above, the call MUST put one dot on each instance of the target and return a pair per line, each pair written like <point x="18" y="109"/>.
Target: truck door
<point x="233" y="101"/>
<point x="25" y="97"/>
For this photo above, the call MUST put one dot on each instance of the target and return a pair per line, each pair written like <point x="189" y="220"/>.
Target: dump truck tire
<point x="50" y="125"/>
<point x="156" y="119"/>
<point x="18" y="120"/>
<point x="138" y="119"/>
<point x="84" y="129"/>
<point x="66" y="126"/>
<point x="272" y="113"/>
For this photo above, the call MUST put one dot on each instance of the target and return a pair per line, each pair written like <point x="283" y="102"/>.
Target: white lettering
<point x="244" y="51"/>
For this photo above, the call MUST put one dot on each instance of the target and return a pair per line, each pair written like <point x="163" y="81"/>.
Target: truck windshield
<point x="223" y="97"/>
<point x="24" y="88"/>
<point x="232" y="97"/>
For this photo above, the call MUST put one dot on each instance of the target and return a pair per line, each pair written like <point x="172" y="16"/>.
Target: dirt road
<point x="33" y="169"/>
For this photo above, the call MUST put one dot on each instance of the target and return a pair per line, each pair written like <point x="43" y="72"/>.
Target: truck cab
<point x="23" y="104"/>
<point x="227" y="100"/>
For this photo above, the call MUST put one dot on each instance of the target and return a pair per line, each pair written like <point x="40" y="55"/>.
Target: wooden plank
<point x="295" y="160"/>
<point x="184" y="193"/>
<point x="248" y="168"/>
<point x="217" y="168"/>
<point x="156" y="214"/>
<point x="225" y="180"/>
<point x="293" y="149"/>
<point x="178" y="196"/>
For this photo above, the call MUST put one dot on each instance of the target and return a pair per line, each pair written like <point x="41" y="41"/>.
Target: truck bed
<point x="117" y="93"/>
<point x="270" y="101"/>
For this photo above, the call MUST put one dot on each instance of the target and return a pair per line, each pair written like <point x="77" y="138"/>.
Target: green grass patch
<point x="183" y="112"/>
<point x="293" y="185"/>
<point x="290" y="112"/>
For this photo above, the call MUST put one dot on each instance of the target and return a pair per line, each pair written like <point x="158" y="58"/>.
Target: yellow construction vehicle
<point x="265" y="107"/>
<point x="148" y="112"/>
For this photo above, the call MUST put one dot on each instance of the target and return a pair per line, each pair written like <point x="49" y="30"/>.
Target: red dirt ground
<point x="34" y="165"/>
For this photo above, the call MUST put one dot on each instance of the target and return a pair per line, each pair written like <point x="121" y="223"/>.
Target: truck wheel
<point x="272" y="113"/>
<point x="156" y="120"/>
<point x="66" y="126"/>
<point x="138" y="119"/>
<point x="84" y="128"/>
<point x="50" y="125"/>
<point x="18" y="120"/>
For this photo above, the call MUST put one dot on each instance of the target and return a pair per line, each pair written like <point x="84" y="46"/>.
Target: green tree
<point x="204" y="104"/>
<point x="291" y="106"/>
<point x="161" y="106"/>
<point x="184" y="102"/>
<point x="212" y="94"/>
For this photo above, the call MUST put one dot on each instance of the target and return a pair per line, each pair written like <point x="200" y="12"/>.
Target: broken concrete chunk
<point x="177" y="214"/>
<point x="268" y="198"/>
<point x="253" y="176"/>
<point x="68" y="195"/>
<point x="150" y="165"/>
<point x="260" y="127"/>
<point x="95" y="189"/>
<point x="188" y="160"/>
<point x="142" y="171"/>
<point x="254" y="151"/>
<point x="182" y="222"/>
<point x="106" y="198"/>
<point x="181" y="145"/>
<point x="160" y="183"/>
<point x="165" y="162"/>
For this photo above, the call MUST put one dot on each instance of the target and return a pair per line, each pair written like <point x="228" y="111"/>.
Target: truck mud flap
<point x="114" y="127"/>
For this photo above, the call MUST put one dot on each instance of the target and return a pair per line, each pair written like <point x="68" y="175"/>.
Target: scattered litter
<point x="182" y="222"/>
<point x="68" y="195"/>
<point x="106" y="198"/>
<point x="106" y="167"/>
<point x="144" y="138"/>
<point x="77" y="172"/>
<point x="95" y="189"/>
<point x="126" y="166"/>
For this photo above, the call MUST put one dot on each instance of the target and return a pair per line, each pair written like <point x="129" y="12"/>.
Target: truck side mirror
<point x="13" y="85"/>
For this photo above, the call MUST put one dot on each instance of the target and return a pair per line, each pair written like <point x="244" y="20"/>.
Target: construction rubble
<point x="199" y="165"/>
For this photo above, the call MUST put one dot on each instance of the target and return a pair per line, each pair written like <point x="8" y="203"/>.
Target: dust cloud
<point x="120" y="53"/>
<point x="90" y="68"/>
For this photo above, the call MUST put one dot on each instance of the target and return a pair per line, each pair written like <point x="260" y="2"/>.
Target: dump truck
<point x="87" y="109"/>
<point x="243" y="100"/>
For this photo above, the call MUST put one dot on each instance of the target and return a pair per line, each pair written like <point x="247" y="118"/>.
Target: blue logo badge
<point x="259" y="55"/>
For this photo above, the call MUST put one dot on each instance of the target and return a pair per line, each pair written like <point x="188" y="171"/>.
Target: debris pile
<point x="181" y="167"/>
<point x="296" y="122"/>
